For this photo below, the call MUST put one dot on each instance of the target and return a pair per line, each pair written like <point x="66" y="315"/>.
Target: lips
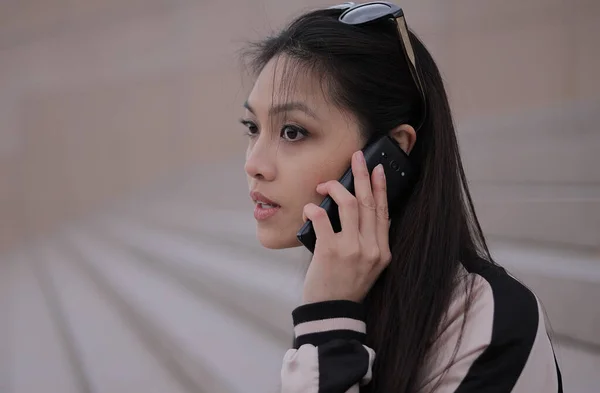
<point x="265" y="208"/>
<point x="262" y="200"/>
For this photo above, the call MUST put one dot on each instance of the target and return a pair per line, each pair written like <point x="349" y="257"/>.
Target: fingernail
<point x="360" y="157"/>
<point x="380" y="171"/>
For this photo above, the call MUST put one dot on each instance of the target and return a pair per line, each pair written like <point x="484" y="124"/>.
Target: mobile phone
<point x="399" y="175"/>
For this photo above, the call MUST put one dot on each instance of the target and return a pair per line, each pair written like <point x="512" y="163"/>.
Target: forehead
<point x="283" y="80"/>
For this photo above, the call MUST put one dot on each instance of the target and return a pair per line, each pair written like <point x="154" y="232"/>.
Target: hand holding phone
<point x="399" y="175"/>
<point x="345" y="265"/>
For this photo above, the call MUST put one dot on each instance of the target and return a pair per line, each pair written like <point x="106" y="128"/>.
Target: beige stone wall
<point x="99" y="99"/>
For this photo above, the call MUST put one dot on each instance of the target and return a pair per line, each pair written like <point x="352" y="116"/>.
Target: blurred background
<point x="128" y="260"/>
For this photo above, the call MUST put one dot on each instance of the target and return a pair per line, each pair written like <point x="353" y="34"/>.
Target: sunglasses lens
<point x="365" y="14"/>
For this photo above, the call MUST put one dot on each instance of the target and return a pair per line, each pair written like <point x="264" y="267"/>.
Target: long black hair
<point x="364" y="71"/>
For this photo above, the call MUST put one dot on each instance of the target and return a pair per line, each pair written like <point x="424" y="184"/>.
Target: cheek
<point x="326" y="162"/>
<point x="309" y="181"/>
<point x="333" y="170"/>
<point x="305" y="185"/>
<point x="301" y="192"/>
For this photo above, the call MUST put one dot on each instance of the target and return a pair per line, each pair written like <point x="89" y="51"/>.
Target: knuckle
<point x="351" y="251"/>
<point x="382" y="212"/>
<point x="368" y="202"/>
<point x="386" y="258"/>
<point x="374" y="255"/>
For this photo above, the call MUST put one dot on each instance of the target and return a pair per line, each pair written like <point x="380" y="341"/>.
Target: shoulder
<point x="493" y="308"/>
<point x="507" y="308"/>
<point x="493" y="334"/>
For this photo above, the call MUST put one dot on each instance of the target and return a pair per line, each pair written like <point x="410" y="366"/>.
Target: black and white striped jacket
<point x="505" y="347"/>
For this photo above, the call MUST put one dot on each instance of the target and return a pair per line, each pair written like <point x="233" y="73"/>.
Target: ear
<point x="405" y="135"/>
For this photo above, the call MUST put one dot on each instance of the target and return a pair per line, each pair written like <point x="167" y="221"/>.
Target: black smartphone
<point x="399" y="174"/>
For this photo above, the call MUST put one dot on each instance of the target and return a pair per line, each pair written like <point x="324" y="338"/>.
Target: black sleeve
<point x="329" y="355"/>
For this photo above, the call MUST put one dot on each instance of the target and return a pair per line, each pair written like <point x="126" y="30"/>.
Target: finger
<point x="383" y="220"/>
<point x="347" y="205"/>
<point x="320" y="221"/>
<point x="367" y="217"/>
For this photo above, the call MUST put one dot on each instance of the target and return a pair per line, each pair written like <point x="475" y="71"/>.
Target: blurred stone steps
<point x="229" y="230"/>
<point x="101" y="334"/>
<point x="38" y="356"/>
<point x="215" y="347"/>
<point x="6" y="303"/>
<point x="230" y="226"/>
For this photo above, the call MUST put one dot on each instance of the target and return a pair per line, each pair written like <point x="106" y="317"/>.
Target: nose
<point x="260" y="161"/>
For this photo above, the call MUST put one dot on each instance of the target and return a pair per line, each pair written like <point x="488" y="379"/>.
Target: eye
<point x="251" y="128"/>
<point x="293" y="133"/>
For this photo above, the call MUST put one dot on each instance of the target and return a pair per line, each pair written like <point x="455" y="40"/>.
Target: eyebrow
<point x="287" y="107"/>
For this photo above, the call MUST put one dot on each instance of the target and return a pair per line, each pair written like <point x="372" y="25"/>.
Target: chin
<point x="276" y="240"/>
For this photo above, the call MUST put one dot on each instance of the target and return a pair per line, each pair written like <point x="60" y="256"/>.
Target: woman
<point x="410" y="302"/>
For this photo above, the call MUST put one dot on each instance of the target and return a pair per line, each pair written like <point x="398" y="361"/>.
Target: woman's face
<point x="297" y="139"/>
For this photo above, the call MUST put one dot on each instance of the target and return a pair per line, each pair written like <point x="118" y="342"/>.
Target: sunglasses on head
<point x="360" y="14"/>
